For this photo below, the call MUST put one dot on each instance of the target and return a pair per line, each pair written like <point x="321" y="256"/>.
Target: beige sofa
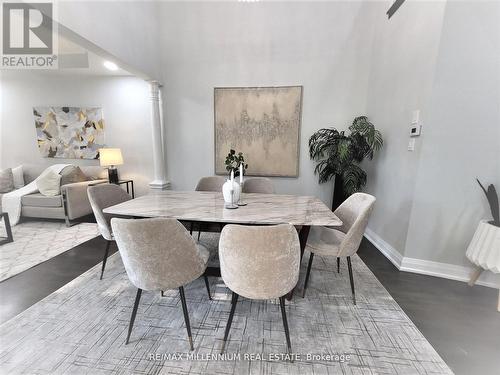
<point x="71" y="204"/>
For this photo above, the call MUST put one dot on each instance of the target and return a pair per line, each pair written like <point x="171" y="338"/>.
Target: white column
<point x="159" y="181"/>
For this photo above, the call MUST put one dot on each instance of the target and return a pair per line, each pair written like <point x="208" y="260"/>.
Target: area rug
<point x="81" y="329"/>
<point x="37" y="241"/>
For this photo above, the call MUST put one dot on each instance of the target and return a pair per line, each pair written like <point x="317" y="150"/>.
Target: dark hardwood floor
<point x="460" y="322"/>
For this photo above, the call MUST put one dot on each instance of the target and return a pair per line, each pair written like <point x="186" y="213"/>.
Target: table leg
<point x="8" y="229"/>
<point x="303" y="235"/>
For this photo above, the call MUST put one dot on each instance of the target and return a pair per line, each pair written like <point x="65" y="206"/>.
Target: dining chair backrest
<point x="210" y="183"/>
<point x="103" y="196"/>
<point x="260" y="185"/>
<point x="158" y="254"/>
<point x="260" y="262"/>
<point x="354" y="213"/>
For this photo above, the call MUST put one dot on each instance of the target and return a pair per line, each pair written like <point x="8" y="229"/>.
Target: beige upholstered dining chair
<point x="159" y="254"/>
<point x="259" y="262"/>
<point x="345" y="241"/>
<point x="210" y="183"/>
<point x="100" y="197"/>
<point x="260" y="185"/>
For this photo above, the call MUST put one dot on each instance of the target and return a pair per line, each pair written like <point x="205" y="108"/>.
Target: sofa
<point x="71" y="204"/>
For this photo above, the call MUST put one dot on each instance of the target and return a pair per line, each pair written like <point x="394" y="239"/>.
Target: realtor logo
<point x="28" y="36"/>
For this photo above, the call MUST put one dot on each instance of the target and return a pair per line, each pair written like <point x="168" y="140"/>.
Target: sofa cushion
<point x="18" y="175"/>
<point x="6" y="180"/>
<point x="49" y="183"/>
<point x="72" y="174"/>
<point x="32" y="171"/>
<point x="95" y="172"/>
<point x="40" y="200"/>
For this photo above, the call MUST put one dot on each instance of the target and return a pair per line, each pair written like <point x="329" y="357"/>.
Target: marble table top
<point x="209" y="207"/>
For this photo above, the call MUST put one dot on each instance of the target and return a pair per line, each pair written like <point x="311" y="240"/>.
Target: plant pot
<point x="338" y="192"/>
<point x="226" y="192"/>
<point x="484" y="248"/>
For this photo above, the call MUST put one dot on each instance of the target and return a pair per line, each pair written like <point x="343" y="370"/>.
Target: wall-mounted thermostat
<point x="415" y="130"/>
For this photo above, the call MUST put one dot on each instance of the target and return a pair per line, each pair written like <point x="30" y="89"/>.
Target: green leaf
<point x="338" y="153"/>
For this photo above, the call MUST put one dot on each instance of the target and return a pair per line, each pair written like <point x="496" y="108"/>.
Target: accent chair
<point x="159" y="254"/>
<point x="260" y="185"/>
<point x="259" y="262"/>
<point x="329" y="242"/>
<point x="100" y="197"/>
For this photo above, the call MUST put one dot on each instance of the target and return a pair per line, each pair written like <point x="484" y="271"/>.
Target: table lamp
<point x="111" y="157"/>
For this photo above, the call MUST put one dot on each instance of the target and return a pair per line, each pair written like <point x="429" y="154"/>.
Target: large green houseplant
<point x="339" y="154"/>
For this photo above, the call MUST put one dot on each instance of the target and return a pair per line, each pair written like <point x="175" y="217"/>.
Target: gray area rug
<point x="81" y="329"/>
<point x="37" y="241"/>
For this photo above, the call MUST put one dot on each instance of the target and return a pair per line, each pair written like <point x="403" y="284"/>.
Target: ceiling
<point x="75" y="59"/>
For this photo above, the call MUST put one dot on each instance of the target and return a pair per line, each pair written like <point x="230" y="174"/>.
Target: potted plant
<point x="231" y="189"/>
<point x="339" y="155"/>
<point x="484" y="248"/>
<point x="233" y="161"/>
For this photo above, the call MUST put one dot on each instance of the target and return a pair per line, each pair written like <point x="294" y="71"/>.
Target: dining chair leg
<point x="134" y="313"/>
<point x="186" y="317"/>
<point x="351" y="279"/>
<point x="162" y="293"/>
<point x="285" y="324"/>
<point x="338" y="264"/>
<point x="234" y="300"/>
<point x="106" y="252"/>
<point x="311" y="256"/>
<point x="207" y="285"/>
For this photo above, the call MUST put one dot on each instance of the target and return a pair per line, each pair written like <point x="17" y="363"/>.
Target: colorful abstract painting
<point x="69" y="132"/>
<point x="261" y="122"/>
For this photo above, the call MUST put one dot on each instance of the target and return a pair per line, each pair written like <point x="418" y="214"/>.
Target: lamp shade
<point x="110" y="156"/>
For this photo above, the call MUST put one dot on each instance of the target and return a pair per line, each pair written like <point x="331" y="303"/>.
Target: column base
<point x="159" y="185"/>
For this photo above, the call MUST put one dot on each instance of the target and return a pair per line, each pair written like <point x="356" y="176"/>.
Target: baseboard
<point x="159" y="185"/>
<point x="427" y="267"/>
<point x="447" y="271"/>
<point x="389" y="252"/>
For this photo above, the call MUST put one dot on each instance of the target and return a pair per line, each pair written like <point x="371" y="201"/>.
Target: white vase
<point x="226" y="192"/>
<point x="484" y="248"/>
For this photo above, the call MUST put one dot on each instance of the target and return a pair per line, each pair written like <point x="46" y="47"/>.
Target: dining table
<point x="201" y="207"/>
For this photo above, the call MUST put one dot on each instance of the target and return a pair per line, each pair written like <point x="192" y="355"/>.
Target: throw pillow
<point x="18" y="174"/>
<point x="49" y="183"/>
<point x="6" y="181"/>
<point x="72" y="174"/>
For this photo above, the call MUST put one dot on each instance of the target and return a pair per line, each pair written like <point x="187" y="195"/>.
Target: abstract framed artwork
<point x="261" y="122"/>
<point x="69" y="132"/>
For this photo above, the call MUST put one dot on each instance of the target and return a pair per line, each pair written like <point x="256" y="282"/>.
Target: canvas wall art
<point x="261" y="122"/>
<point x="69" y="132"/>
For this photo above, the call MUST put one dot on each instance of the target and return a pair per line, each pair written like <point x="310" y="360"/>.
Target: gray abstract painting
<point x="261" y="122"/>
<point x="69" y="132"/>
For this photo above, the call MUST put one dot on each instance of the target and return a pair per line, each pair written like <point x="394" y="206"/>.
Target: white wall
<point x="322" y="46"/>
<point x="462" y="135"/>
<point x="126" y="111"/>
<point x="402" y="64"/>
<point x="444" y="59"/>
